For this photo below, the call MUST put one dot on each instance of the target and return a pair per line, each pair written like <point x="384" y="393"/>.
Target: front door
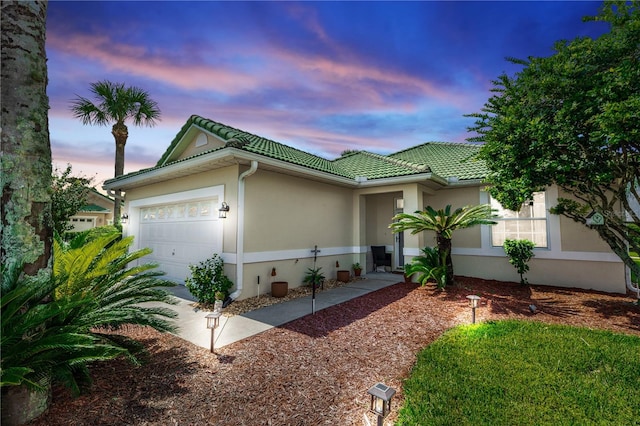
<point x="398" y="249"/>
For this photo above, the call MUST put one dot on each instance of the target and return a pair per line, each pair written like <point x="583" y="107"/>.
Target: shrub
<point x="53" y="328"/>
<point x="519" y="252"/>
<point x="430" y="265"/>
<point x="207" y="278"/>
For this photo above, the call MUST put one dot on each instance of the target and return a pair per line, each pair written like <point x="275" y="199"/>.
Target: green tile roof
<point x="447" y="159"/>
<point x="94" y="208"/>
<point x="444" y="159"/>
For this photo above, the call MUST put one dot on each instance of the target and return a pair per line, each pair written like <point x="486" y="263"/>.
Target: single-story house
<point x="98" y="211"/>
<point x="283" y="202"/>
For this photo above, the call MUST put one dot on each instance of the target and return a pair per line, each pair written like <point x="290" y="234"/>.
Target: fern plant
<point x="431" y="265"/>
<point x="52" y="328"/>
<point x="39" y="339"/>
<point x="313" y="276"/>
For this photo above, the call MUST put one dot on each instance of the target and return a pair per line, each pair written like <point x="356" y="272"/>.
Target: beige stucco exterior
<point x="279" y="213"/>
<point x="89" y="218"/>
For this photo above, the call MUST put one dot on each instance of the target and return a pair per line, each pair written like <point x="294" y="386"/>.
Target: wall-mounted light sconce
<point x="124" y="219"/>
<point x="223" y="210"/>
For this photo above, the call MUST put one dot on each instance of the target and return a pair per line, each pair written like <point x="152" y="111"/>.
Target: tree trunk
<point x="444" y="248"/>
<point x="26" y="180"/>
<point x="121" y="133"/>
<point x="26" y="151"/>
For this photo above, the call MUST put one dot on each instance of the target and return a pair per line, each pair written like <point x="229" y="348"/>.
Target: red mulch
<point x="315" y="370"/>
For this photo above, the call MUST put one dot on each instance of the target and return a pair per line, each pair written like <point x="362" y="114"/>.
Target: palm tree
<point x="116" y="104"/>
<point x="443" y="223"/>
<point x="26" y="151"/>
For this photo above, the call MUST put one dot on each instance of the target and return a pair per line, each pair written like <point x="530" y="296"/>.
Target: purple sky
<point x="320" y="76"/>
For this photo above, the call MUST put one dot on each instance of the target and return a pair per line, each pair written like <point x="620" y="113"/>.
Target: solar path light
<point x="473" y="302"/>
<point x="381" y="396"/>
<point x="213" y="319"/>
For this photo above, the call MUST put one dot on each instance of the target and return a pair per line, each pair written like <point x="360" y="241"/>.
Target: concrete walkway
<point x="193" y="325"/>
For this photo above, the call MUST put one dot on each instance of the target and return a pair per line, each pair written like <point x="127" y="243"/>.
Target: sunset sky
<point x="320" y="76"/>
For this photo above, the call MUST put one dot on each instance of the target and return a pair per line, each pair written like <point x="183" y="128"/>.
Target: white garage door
<point x="180" y="234"/>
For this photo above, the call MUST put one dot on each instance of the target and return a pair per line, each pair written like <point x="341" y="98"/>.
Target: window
<point x="529" y="223"/>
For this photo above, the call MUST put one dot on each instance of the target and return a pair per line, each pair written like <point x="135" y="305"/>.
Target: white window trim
<point x="515" y="219"/>
<point x="554" y="249"/>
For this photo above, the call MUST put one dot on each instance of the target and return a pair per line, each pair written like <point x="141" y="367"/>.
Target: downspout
<point x="240" y="230"/>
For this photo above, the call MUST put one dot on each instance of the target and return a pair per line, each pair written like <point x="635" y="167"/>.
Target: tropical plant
<point x="571" y="119"/>
<point x="41" y="341"/>
<point x="356" y="266"/>
<point x="443" y="222"/>
<point x="98" y="263"/>
<point x="116" y="104"/>
<point x="69" y="195"/>
<point x="429" y="266"/>
<point x="208" y="278"/>
<point x="313" y="276"/>
<point x="52" y="327"/>
<point x="520" y="253"/>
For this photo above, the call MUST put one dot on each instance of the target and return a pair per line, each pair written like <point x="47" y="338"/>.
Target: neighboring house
<point x="98" y="211"/>
<point x="283" y="202"/>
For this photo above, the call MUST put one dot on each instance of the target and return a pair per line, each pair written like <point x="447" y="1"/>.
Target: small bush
<point x="429" y="266"/>
<point x="520" y="253"/>
<point x="207" y="279"/>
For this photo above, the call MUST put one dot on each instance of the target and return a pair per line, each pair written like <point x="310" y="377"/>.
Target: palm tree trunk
<point x="26" y="150"/>
<point x="27" y="228"/>
<point x="444" y="247"/>
<point x="121" y="134"/>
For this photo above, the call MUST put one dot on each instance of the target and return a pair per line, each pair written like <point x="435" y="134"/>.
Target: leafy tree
<point x="116" y="104"/>
<point x="571" y="120"/>
<point x="520" y="253"/>
<point x="68" y="196"/>
<point x="443" y="222"/>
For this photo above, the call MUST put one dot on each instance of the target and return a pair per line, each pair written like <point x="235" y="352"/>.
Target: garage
<point x="179" y="233"/>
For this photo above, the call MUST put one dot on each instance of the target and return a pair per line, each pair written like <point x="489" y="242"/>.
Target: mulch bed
<point x="315" y="370"/>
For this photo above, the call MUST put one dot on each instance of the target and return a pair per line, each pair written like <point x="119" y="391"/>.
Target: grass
<point x="525" y="373"/>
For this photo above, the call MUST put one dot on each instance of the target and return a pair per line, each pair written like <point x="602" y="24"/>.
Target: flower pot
<point x="407" y="278"/>
<point x="279" y="288"/>
<point x="357" y="272"/>
<point x="344" y="276"/>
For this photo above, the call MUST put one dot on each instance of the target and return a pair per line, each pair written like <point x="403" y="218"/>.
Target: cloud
<point x="166" y="68"/>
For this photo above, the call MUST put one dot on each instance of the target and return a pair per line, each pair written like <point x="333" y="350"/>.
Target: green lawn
<point x="525" y="373"/>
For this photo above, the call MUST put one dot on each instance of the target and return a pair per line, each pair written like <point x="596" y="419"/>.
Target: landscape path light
<point x="381" y="396"/>
<point x="473" y="302"/>
<point x="213" y="319"/>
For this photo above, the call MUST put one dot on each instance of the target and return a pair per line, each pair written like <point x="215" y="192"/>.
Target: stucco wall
<point x="456" y="197"/>
<point x="601" y="276"/>
<point x="288" y="213"/>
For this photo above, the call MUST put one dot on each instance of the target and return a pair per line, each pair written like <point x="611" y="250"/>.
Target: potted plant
<point x="357" y="269"/>
<point x="278" y="288"/>
<point x="341" y="275"/>
<point x="219" y="302"/>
